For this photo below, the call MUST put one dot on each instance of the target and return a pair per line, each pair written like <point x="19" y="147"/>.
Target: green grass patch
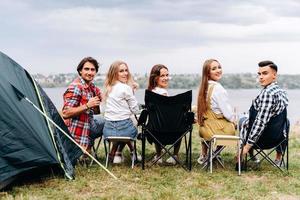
<point x="170" y="182"/>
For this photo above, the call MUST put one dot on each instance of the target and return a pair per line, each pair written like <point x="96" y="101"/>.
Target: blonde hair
<point x="202" y="104"/>
<point x="112" y="76"/>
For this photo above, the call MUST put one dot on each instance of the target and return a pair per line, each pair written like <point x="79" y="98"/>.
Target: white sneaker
<point x="160" y="161"/>
<point x="277" y="163"/>
<point x="118" y="158"/>
<point x="171" y="160"/>
<point x="201" y="160"/>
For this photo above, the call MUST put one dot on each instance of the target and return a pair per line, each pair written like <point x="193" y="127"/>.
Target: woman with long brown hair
<point x="214" y="113"/>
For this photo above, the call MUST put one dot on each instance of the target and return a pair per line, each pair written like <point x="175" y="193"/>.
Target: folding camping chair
<point x="165" y="121"/>
<point x="274" y="137"/>
<point x="111" y="139"/>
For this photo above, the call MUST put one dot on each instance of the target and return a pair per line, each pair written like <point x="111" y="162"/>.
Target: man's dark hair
<point x="268" y="63"/>
<point x="87" y="59"/>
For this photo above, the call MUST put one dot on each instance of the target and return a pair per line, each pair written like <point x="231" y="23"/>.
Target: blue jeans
<point x="96" y="127"/>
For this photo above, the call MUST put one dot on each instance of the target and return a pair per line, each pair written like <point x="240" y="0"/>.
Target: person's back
<point x="214" y="112"/>
<point x="120" y="104"/>
<point x="270" y="102"/>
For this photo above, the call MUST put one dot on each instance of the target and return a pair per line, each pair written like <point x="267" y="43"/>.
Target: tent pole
<point x="82" y="149"/>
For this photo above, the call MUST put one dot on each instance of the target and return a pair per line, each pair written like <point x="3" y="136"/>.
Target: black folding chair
<point x="275" y="137"/>
<point x="165" y="121"/>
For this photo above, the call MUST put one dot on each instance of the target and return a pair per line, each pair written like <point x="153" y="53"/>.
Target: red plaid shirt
<point x="77" y="94"/>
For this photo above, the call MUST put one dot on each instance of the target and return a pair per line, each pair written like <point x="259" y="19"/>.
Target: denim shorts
<point x="122" y="128"/>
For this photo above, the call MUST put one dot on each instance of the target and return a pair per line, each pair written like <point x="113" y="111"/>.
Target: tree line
<point x="230" y="81"/>
<point x="183" y="81"/>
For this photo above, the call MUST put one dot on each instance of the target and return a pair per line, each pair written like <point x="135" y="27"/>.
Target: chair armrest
<point x="143" y="117"/>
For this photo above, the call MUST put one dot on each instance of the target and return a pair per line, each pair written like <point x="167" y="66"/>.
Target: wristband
<point x="87" y="107"/>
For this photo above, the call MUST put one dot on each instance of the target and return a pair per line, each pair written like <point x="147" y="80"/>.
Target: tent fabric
<point x="27" y="139"/>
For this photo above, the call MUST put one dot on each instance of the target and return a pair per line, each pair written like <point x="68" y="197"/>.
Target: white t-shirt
<point x="120" y="103"/>
<point x="220" y="101"/>
<point x="161" y="91"/>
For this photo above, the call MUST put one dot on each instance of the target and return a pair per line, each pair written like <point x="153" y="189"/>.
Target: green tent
<point x="28" y="141"/>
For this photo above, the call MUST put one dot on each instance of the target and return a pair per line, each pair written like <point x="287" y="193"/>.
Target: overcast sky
<point x="52" y="36"/>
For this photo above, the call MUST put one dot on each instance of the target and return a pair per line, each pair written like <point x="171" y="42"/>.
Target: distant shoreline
<point x="178" y="81"/>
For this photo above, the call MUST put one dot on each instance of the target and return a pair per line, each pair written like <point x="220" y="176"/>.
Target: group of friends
<point x="214" y="113"/>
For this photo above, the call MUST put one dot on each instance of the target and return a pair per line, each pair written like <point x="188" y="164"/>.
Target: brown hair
<point x="87" y="59"/>
<point x="202" y="104"/>
<point x="154" y="75"/>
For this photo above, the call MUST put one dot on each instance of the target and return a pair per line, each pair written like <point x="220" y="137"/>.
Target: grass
<point x="170" y="182"/>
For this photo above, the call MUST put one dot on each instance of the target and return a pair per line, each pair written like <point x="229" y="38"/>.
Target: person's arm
<point x="69" y="112"/>
<point x="98" y="94"/>
<point x="72" y="105"/>
<point x="131" y="100"/>
<point x="262" y="118"/>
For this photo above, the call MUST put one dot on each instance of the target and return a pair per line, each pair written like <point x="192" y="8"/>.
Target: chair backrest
<point x="274" y="131"/>
<point x="168" y="116"/>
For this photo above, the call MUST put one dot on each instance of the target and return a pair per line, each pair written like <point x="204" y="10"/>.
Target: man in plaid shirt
<point x="81" y="101"/>
<point x="271" y="101"/>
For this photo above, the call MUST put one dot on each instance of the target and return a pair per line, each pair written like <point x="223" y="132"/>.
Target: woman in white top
<point x="120" y="104"/>
<point x="214" y="113"/>
<point x="158" y="83"/>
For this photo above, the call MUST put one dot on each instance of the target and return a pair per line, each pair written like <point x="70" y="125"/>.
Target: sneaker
<point x="277" y="163"/>
<point x="255" y="160"/>
<point x="171" y="160"/>
<point x="118" y="158"/>
<point x="202" y="159"/>
<point x="159" y="161"/>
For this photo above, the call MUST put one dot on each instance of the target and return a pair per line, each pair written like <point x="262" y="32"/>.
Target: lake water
<point x="240" y="98"/>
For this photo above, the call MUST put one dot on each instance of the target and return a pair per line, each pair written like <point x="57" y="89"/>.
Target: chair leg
<point x="143" y="150"/>
<point x="210" y="155"/>
<point x="239" y="157"/>
<point x="287" y="155"/>
<point x="134" y="155"/>
<point x="190" y="148"/>
<point x="186" y="151"/>
<point x="106" y="152"/>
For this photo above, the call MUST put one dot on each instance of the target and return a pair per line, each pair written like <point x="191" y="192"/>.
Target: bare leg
<point x="176" y="148"/>
<point x="278" y="155"/>
<point x="130" y="146"/>
<point x="158" y="149"/>
<point x="204" y="149"/>
<point x="114" y="149"/>
<point x="121" y="146"/>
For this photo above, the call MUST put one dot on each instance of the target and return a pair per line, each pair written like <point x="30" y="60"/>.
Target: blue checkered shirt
<point x="271" y="101"/>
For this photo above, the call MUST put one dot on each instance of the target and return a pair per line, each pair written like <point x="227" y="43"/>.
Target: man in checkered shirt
<point x="271" y="101"/>
<point x="81" y="101"/>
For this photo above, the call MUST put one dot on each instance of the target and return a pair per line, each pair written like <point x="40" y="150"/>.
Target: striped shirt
<point x="271" y="101"/>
